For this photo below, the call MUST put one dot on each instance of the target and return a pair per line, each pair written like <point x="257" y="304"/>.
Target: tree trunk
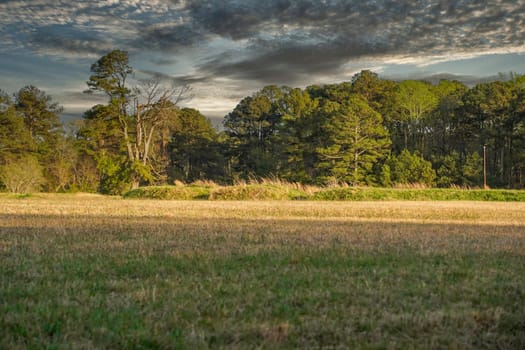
<point x="135" y="183"/>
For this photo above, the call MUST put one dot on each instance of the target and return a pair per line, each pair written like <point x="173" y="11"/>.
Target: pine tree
<point x="356" y="140"/>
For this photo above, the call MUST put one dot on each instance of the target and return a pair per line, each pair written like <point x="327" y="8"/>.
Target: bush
<point x="256" y="192"/>
<point x="22" y="175"/>
<point x="283" y="192"/>
<point x="169" y="192"/>
<point x="448" y="171"/>
<point x="408" y="168"/>
<point x="385" y="194"/>
<point x="473" y="170"/>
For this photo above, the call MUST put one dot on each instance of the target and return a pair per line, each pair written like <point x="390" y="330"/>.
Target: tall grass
<point x="169" y="192"/>
<point x="279" y="190"/>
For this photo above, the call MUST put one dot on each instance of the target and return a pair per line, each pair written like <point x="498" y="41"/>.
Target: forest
<point x="365" y="132"/>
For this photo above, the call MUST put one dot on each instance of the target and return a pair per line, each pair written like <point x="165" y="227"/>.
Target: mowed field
<point x="81" y="271"/>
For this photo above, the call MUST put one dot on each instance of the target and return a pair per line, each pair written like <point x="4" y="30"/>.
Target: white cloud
<point x="422" y="61"/>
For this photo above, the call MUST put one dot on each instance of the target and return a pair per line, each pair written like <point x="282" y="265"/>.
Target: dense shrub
<point x="256" y="192"/>
<point x="23" y="175"/>
<point x="374" y="194"/>
<point x="408" y="168"/>
<point x="169" y="192"/>
<point x="288" y="192"/>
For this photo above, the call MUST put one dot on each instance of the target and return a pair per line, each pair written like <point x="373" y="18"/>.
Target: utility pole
<point x="485" y="167"/>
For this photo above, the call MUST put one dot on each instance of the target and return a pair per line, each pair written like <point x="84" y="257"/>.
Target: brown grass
<point x="428" y="226"/>
<point x="260" y="274"/>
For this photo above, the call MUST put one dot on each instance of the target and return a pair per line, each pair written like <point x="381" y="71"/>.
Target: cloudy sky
<point x="228" y="49"/>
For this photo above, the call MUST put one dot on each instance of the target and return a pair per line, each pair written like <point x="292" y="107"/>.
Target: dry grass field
<point x="86" y="271"/>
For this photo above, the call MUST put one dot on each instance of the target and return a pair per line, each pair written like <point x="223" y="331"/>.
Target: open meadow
<point x="87" y="271"/>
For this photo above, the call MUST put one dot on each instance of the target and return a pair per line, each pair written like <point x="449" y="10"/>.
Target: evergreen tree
<point x="194" y="149"/>
<point x="40" y="116"/>
<point x="356" y="141"/>
<point x="449" y="170"/>
<point x="298" y="136"/>
<point x="15" y="138"/>
<point x="251" y="129"/>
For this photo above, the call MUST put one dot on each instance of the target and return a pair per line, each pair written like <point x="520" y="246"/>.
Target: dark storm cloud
<point x="65" y="38"/>
<point x="236" y="20"/>
<point x="183" y="80"/>
<point x="292" y="62"/>
<point x="290" y="39"/>
<point x="271" y="41"/>
<point x="272" y="29"/>
<point x="169" y="37"/>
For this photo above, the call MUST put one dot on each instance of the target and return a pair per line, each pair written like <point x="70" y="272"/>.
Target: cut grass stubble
<point x="101" y="272"/>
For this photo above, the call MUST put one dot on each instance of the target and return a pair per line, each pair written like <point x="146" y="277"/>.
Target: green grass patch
<point x="388" y="194"/>
<point x="89" y="273"/>
<point x="290" y="297"/>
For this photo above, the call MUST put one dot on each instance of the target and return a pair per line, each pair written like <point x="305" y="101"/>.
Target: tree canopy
<point x="367" y="131"/>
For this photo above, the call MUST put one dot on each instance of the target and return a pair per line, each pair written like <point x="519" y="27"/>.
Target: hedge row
<point x="276" y="192"/>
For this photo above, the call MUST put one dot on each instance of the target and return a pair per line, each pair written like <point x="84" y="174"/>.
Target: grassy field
<point x="82" y="271"/>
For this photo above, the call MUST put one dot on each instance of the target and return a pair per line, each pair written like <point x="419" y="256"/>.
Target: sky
<point x="226" y="50"/>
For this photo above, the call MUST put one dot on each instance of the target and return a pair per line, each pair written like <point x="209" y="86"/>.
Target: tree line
<point x="368" y="131"/>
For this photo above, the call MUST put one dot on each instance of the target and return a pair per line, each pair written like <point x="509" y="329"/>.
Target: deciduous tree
<point x="140" y="113"/>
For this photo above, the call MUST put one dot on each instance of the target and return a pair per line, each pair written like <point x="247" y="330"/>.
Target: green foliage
<point x="134" y="126"/>
<point x="286" y="191"/>
<point x="298" y="136"/>
<point x="251" y="129"/>
<point x="30" y="130"/>
<point x="472" y="170"/>
<point x="194" y="149"/>
<point x="256" y="192"/>
<point x="110" y="73"/>
<point x="356" y="139"/>
<point x="454" y="171"/>
<point x="385" y="177"/>
<point x="389" y="194"/>
<point x="169" y="192"/>
<point x="22" y="175"/>
<point x="415" y="100"/>
<point x="409" y="168"/>
<point x="100" y="131"/>
<point x="449" y="172"/>
<point x="141" y="171"/>
<point x="115" y="174"/>
<point x="408" y="108"/>
<point x="40" y="116"/>
<point x="493" y="116"/>
<point x="15" y="138"/>
<point x="338" y="133"/>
